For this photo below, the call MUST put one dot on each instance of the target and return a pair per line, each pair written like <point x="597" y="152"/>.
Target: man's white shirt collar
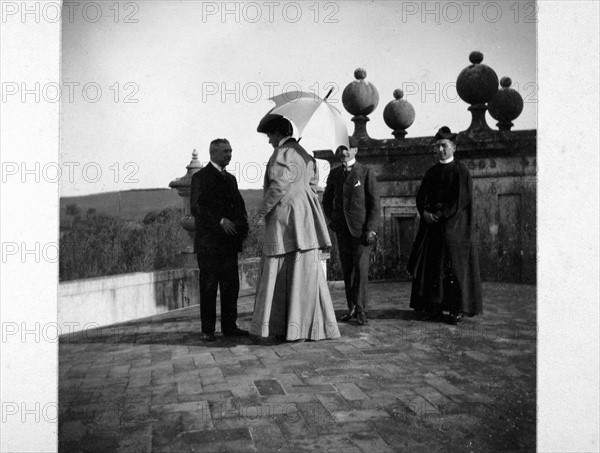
<point x="217" y="166"/>
<point x="447" y="161"/>
<point x="350" y="163"/>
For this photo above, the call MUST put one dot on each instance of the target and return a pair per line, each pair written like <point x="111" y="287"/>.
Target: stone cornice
<point x="491" y="144"/>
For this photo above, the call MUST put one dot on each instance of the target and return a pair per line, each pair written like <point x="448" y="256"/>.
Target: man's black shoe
<point x="362" y="319"/>
<point x="209" y="337"/>
<point x="350" y="314"/>
<point x="435" y="316"/>
<point x="419" y="314"/>
<point x="237" y="332"/>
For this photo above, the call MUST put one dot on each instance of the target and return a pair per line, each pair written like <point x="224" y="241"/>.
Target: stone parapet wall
<point x="90" y="303"/>
<point x="97" y="302"/>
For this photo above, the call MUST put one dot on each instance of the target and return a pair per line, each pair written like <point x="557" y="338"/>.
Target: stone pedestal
<point x="187" y="258"/>
<point x="478" y="123"/>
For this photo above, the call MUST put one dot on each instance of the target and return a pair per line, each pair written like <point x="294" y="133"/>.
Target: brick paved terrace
<point x="395" y="385"/>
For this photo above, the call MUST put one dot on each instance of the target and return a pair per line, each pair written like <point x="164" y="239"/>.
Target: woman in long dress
<point x="292" y="297"/>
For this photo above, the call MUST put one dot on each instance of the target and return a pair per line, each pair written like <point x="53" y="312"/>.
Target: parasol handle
<point x="328" y="94"/>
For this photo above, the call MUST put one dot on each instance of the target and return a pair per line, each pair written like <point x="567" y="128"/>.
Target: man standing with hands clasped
<point x="221" y="225"/>
<point x="351" y="204"/>
<point x="444" y="259"/>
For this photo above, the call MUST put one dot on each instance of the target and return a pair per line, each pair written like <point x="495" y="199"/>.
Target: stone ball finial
<point x="360" y="73"/>
<point x="360" y="97"/>
<point x="505" y="105"/>
<point x="194" y="164"/>
<point x="505" y="82"/>
<point x="475" y="57"/>
<point x="477" y="83"/>
<point x="399" y="114"/>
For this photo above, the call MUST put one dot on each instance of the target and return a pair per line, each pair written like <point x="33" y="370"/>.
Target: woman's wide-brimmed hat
<point x="271" y="122"/>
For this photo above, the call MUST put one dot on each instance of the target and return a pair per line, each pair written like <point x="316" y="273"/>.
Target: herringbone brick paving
<point x="395" y="385"/>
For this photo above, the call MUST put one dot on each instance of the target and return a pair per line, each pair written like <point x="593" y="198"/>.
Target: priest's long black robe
<point x="444" y="258"/>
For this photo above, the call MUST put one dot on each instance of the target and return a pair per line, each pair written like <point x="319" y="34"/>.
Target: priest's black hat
<point x="445" y="133"/>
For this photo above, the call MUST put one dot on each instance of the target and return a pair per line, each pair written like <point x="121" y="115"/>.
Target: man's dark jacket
<point x="215" y="195"/>
<point x="352" y="200"/>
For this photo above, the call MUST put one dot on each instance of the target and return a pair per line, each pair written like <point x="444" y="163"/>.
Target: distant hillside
<point x="135" y="204"/>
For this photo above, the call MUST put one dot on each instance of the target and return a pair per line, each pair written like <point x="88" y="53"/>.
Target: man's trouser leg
<point x="344" y="241"/>
<point x="361" y="275"/>
<point x="355" y="265"/>
<point x="209" y="283"/>
<point x="230" y="287"/>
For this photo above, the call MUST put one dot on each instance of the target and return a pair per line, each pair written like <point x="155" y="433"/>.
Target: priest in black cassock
<point x="444" y="260"/>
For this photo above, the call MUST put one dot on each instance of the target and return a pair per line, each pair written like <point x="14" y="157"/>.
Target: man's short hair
<point x="217" y="141"/>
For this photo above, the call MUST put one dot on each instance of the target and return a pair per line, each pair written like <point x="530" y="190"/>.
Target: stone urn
<point x="399" y="114"/>
<point x="360" y="98"/>
<point x="476" y="85"/>
<point x="506" y="105"/>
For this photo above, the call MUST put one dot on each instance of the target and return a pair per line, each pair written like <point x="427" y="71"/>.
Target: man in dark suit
<point x="351" y="204"/>
<point x="221" y="225"/>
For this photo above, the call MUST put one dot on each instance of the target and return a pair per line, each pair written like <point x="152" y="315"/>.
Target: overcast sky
<point x="163" y="78"/>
